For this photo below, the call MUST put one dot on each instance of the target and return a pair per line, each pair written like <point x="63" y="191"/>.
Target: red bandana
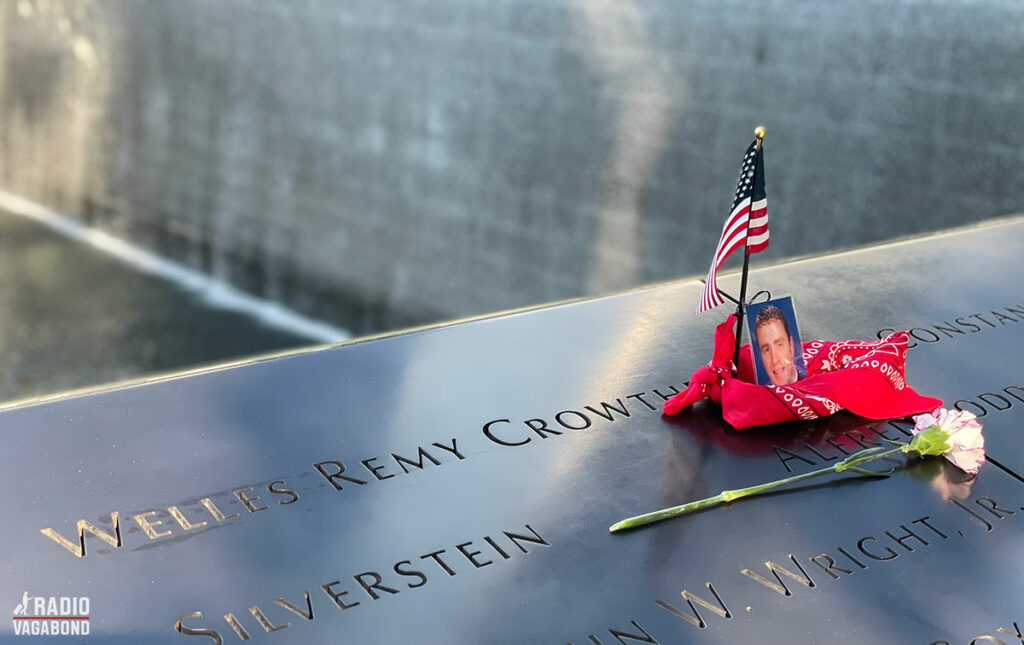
<point x="866" y="378"/>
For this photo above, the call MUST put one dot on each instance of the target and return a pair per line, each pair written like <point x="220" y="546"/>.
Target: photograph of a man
<point x="776" y="342"/>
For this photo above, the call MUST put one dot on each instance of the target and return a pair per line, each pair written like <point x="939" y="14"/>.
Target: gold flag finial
<point x="759" y="134"/>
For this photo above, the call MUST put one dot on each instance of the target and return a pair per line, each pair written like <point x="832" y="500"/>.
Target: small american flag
<point x="741" y="226"/>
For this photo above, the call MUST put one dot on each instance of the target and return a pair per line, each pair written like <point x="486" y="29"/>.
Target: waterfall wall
<point x="385" y="164"/>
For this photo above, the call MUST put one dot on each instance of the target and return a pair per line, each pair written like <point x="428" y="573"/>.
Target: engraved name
<point x="961" y="325"/>
<point x="167" y="522"/>
<point x="369" y="586"/>
<point x="505" y="432"/>
<point x="713" y="605"/>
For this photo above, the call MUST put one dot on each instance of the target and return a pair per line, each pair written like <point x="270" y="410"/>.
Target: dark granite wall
<point x="386" y="163"/>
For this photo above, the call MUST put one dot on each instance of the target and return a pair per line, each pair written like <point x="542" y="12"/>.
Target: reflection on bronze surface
<point x="180" y="518"/>
<point x="248" y="501"/>
<point x="188" y="631"/>
<point x="235" y="625"/>
<point x="214" y="511"/>
<point x="148" y="525"/>
<point x="78" y="550"/>
<point x="266" y="624"/>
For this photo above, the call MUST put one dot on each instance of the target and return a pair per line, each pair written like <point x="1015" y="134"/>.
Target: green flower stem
<point x="852" y="462"/>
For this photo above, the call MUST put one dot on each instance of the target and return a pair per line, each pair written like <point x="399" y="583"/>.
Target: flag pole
<point x="759" y="135"/>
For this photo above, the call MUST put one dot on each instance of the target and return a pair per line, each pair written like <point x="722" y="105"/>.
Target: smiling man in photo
<point x="775" y="345"/>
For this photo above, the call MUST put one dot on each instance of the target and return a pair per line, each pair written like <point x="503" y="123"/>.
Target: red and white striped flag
<point x="742" y="226"/>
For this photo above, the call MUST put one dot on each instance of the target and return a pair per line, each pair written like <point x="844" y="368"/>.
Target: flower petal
<point x="969" y="460"/>
<point x="964" y="444"/>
